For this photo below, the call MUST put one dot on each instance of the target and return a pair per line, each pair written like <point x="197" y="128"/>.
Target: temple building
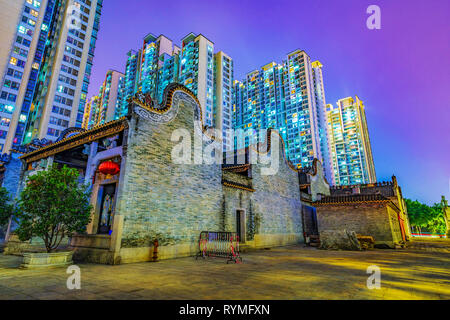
<point x="161" y="189"/>
<point x="150" y="196"/>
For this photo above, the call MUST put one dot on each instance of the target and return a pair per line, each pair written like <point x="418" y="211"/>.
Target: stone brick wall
<point x="318" y="184"/>
<point x="272" y="211"/>
<point x="237" y="199"/>
<point x="276" y="204"/>
<point x="162" y="200"/>
<point x="277" y="201"/>
<point x="370" y="219"/>
<point x="395" y="225"/>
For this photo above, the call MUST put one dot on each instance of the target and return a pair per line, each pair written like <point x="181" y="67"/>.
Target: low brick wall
<point x="369" y="219"/>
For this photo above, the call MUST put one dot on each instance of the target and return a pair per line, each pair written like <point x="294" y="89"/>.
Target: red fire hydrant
<point x="155" y="250"/>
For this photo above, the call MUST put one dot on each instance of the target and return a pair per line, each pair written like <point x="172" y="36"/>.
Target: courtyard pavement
<point x="293" y="272"/>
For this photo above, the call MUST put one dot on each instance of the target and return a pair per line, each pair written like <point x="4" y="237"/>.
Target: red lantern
<point x="109" y="168"/>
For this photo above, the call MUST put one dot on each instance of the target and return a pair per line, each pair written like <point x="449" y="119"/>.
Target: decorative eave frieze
<point x="104" y="130"/>
<point x="237" y="186"/>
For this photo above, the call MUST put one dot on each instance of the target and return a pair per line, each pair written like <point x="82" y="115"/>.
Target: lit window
<point x="13" y="61"/>
<point x="9" y="108"/>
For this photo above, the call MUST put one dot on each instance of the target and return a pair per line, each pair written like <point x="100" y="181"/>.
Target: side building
<point x="377" y="210"/>
<point x="351" y="152"/>
<point x="287" y="97"/>
<point x="45" y="66"/>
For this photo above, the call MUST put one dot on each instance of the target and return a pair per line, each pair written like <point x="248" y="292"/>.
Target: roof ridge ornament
<point x="143" y="99"/>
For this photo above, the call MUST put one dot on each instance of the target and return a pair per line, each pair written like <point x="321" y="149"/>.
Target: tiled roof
<point x="354" y="198"/>
<point x="70" y="139"/>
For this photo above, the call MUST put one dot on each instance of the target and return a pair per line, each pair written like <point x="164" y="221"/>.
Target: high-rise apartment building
<point x="287" y="97"/>
<point x="351" y="152"/>
<point x="159" y="65"/>
<point x="194" y="64"/>
<point x="150" y="69"/>
<point x="90" y="104"/>
<point x="223" y="96"/>
<point x="103" y="107"/>
<point x="197" y="72"/>
<point x="45" y="64"/>
<point x="130" y="84"/>
<point x="322" y="128"/>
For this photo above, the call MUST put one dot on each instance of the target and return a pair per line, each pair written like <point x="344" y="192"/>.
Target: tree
<point x="423" y="216"/>
<point x="437" y="224"/>
<point x="7" y="208"/>
<point x="52" y="206"/>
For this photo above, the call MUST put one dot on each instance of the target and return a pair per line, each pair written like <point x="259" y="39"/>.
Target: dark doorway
<point x="310" y="220"/>
<point x="240" y="225"/>
<point x="311" y="230"/>
<point x="107" y="193"/>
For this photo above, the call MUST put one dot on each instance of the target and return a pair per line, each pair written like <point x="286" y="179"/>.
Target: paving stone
<point x="293" y="272"/>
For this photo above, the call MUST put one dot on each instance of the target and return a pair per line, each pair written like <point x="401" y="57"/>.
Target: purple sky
<point x="401" y="72"/>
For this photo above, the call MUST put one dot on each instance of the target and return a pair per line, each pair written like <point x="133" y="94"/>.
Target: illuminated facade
<point x="351" y="152"/>
<point x="322" y="128"/>
<point x="223" y="97"/>
<point x="159" y="65"/>
<point x="129" y="86"/>
<point x="103" y="107"/>
<point x="47" y="70"/>
<point x="20" y="25"/>
<point x="197" y="72"/>
<point x="287" y="97"/>
<point x="194" y="64"/>
<point x="149" y="69"/>
<point x="87" y="112"/>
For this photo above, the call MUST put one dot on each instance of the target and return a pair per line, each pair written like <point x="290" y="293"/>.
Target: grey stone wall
<point x="272" y="211"/>
<point x="163" y="200"/>
<point x="277" y="199"/>
<point x="318" y="182"/>
<point x="238" y="199"/>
